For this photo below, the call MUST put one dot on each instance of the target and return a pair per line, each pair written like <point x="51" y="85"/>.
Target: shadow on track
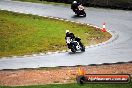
<point x="75" y="16"/>
<point x="71" y="53"/>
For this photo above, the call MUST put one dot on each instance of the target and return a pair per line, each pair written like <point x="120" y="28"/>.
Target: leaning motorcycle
<point x="75" y="44"/>
<point x="79" y="12"/>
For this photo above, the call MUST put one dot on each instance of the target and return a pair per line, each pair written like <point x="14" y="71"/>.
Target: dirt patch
<point x="57" y="75"/>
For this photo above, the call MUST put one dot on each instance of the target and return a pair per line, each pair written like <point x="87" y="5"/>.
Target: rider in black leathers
<point x="72" y="36"/>
<point x="74" y="6"/>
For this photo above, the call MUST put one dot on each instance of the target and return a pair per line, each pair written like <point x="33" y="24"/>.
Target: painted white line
<point x="56" y="18"/>
<point x="49" y="53"/>
<point x="66" y="20"/>
<point x="61" y="19"/>
<point x="51" y="17"/>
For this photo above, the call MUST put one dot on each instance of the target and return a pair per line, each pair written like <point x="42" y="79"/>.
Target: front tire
<point x="73" y="50"/>
<point x="84" y="14"/>
<point x="83" y="48"/>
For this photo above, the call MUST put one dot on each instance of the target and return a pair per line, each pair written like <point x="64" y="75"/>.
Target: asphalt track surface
<point x="117" y="49"/>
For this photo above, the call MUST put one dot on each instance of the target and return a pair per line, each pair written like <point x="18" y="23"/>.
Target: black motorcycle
<point x="79" y="12"/>
<point x="75" y="44"/>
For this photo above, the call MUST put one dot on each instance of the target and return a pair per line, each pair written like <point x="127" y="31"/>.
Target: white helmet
<point x="74" y="1"/>
<point x="67" y="31"/>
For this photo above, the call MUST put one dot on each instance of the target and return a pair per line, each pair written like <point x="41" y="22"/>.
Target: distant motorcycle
<point x="79" y="11"/>
<point x="75" y="44"/>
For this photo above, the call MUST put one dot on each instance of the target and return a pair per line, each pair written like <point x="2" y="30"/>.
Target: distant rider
<point x="74" y="6"/>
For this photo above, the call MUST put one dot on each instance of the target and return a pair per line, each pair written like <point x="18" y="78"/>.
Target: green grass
<point x="22" y="34"/>
<point x="76" y="86"/>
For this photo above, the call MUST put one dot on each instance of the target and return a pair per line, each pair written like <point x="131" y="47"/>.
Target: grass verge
<point x="73" y="85"/>
<point x="22" y="34"/>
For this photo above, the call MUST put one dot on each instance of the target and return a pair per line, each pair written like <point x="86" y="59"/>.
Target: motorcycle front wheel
<point x="83" y="48"/>
<point x="84" y="15"/>
<point x="73" y="50"/>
